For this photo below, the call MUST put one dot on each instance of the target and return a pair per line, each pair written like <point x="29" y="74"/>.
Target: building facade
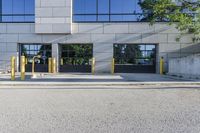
<point x="75" y="31"/>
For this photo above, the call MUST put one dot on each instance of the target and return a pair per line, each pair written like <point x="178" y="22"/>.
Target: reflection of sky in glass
<point x="142" y="47"/>
<point x="117" y="6"/>
<point x="103" y="6"/>
<point x="18" y="10"/>
<point x="125" y="6"/>
<point x="150" y="47"/>
<point x="98" y="10"/>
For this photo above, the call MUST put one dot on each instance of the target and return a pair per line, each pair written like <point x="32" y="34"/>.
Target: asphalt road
<point x="146" y="109"/>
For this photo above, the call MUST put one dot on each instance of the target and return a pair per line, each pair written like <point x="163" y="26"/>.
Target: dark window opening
<point x="31" y="50"/>
<point x="135" y="58"/>
<point x="76" y="57"/>
<point x="76" y="54"/>
<point x="133" y="54"/>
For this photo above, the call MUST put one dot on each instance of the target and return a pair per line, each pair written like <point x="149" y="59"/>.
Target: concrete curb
<point x="29" y="84"/>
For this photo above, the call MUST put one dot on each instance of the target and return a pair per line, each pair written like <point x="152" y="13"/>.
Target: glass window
<point x="7" y="7"/>
<point x="85" y="6"/>
<point x="103" y="17"/>
<point x="150" y="47"/>
<point x="76" y="54"/>
<point x="122" y="7"/>
<point x="29" y="6"/>
<point x="106" y="10"/>
<point x="18" y="10"/>
<point x="31" y="50"/>
<point x="103" y="6"/>
<point x="135" y="54"/>
<point x="18" y="6"/>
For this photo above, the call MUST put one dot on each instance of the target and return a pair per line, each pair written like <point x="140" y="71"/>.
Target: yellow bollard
<point x="13" y="68"/>
<point x="53" y="65"/>
<point x="33" y="67"/>
<point x="113" y="66"/>
<point x="93" y="65"/>
<point x="161" y="66"/>
<point x="50" y="65"/>
<point x="23" y="62"/>
<point x="61" y="61"/>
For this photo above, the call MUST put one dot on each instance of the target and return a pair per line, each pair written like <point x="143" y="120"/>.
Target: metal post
<point x="13" y="68"/>
<point x="161" y="66"/>
<point x="53" y="65"/>
<point x="33" y="65"/>
<point x="26" y="61"/>
<point x="61" y="61"/>
<point x="93" y="65"/>
<point x="23" y="62"/>
<point x="113" y="66"/>
<point x="50" y="65"/>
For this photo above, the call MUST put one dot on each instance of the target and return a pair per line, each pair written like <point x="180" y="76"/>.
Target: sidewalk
<point x="74" y="79"/>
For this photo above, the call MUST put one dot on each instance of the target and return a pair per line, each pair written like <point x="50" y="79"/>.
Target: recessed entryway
<point x="31" y="50"/>
<point x="75" y="57"/>
<point x="135" y="58"/>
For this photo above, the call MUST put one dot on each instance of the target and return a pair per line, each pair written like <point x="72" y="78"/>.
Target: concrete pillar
<point x="55" y="54"/>
<point x="103" y="54"/>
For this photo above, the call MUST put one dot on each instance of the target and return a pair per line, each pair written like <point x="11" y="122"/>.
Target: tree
<point x="185" y="14"/>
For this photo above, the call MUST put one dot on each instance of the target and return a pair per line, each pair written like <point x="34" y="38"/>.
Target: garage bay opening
<point x="76" y="57"/>
<point x="135" y="58"/>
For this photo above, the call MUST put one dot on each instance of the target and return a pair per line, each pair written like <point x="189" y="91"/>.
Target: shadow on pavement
<point x="101" y="78"/>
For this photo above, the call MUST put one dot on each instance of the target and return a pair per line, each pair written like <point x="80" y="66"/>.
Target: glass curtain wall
<point x="106" y="10"/>
<point x="17" y="10"/>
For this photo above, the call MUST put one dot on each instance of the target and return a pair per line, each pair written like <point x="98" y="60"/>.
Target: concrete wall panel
<point x="116" y="28"/>
<point x="3" y="28"/>
<point x="103" y="47"/>
<point x="18" y="28"/>
<point x="106" y="38"/>
<point x="77" y="38"/>
<point x="2" y="47"/>
<point x="141" y="28"/>
<point x="188" y="66"/>
<point x="29" y="38"/>
<point x="51" y="15"/>
<point x="154" y="38"/>
<point x="11" y="47"/>
<point x="90" y="28"/>
<point x="128" y="38"/>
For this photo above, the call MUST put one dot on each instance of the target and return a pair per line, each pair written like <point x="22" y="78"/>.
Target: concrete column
<point x="103" y="54"/>
<point x="55" y="54"/>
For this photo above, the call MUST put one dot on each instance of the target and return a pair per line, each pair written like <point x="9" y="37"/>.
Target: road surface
<point x="146" y="109"/>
